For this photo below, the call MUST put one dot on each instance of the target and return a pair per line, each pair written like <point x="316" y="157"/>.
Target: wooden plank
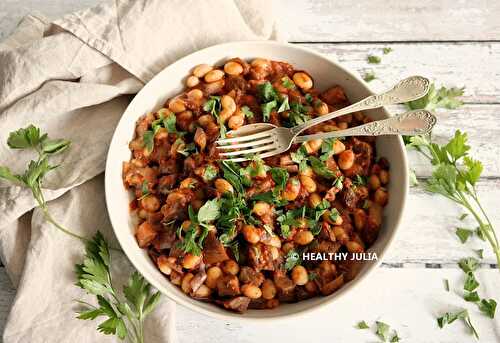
<point x="391" y="20"/>
<point x="483" y="131"/>
<point x="473" y="65"/>
<point x="409" y="300"/>
<point x="427" y="233"/>
<point x="420" y="290"/>
<point x="336" y="21"/>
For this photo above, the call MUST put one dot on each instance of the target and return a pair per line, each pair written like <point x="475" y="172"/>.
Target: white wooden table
<point x="456" y="43"/>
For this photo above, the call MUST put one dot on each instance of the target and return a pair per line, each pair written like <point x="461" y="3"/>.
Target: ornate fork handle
<point x="411" y="88"/>
<point x="416" y="122"/>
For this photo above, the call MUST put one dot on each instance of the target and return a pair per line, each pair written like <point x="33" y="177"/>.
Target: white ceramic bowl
<point x="168" y="83"/>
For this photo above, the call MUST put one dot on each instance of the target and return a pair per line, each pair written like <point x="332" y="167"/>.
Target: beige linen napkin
<point x="74" y="78"/>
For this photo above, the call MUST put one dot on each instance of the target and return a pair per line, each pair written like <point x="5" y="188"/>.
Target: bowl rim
<point x="241" y="318"/>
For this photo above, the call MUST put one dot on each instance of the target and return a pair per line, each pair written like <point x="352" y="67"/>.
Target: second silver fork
<point x="279" y="139"/>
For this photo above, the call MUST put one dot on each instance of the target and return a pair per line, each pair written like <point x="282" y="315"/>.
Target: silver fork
<point x="272" y="140"/>
<point x="417" y="122"/>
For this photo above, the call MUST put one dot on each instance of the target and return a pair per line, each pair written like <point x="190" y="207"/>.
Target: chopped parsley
<point x="213" y="106"/>
<point x="387" y="50"/>
<point x="438" y="98"/>
<point x="463" y="234"/>
<point x="369" y="76"/>
<point x="382" y="330"/>
<point x="149" y="140"/>
<point x="287" y="83"/>
<point x="292" y="259"/>
<point x="373" y="59"/>
<point x="450" y="317"/>
<point x="362" y="325"/>
<point x="209" y="173"/>
<point x="247" y="112"/>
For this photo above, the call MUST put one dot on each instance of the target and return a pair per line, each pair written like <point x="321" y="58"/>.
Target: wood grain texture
<point x="391" y="20"/>
<point x="426" y="239"/>
<point x="427" y="233"/>
<point x="473" y="65"/>
<point x="414" y="322"/>
<point x="408" y="300"/>
<point x="336" y="21"/>
<point x="481" y="124"/>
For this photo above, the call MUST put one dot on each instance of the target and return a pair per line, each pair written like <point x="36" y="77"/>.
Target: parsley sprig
<point x="454" y="176"/>
<point x="125" y="318"/>
<point x="125" y="314"/>
<point x="31" y="138"/>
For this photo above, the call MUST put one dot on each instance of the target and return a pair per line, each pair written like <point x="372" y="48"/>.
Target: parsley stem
<point x="486" y="232"/>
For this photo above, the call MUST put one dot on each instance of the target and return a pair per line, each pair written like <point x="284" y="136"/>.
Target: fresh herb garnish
<point x="463" y="234"/>
<point x="382" y="330"/>
<point x="450" y="317"/>
<point x="373" y="59"/>
<point x="454" y="176"/>
<point x="149" y="140"/>
<point x="387" y="50"/>
<point x="267" y="108"/>
<point x="284" y="105"/>
<point x="247" y="112"/>
<point x="362" y="325"/>
<point x="369" y="76"/>
<point x="213" y="106"/>
<point x="488" y="307"/>
<point x="209" y="173"/>
<point x="287" y="83"/>
<point x="125" y="314"/>
<point x="446" y="285"/>
<point x="469" y="264"/>
<point x="470" y="282"/>
<point x="192" y="242"/>
<point x="479" y="253"/>
<point x="31" y="138"/>
<point x="471" y="297"/>
<point x="438" y="98"/>
<point x="463" y="216"/>
<point x="320" y="168"/>
<point x="292" y="259"/>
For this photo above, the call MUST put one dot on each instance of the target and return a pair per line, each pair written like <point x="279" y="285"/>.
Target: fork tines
<point x="241" y="148"/>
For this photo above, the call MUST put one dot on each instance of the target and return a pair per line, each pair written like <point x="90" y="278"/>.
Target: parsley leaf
<point x="209" y="173"/>
<point x="387" y="50"/>
<point x="395" y="337"/>
<point x="362" y="325"/>
<point x="488" y="307"/>
<point x="369" y="76"/>
<point x="266" y="92"/>
<point x="470" y="282"/>
<point x="463" y="234"/>
<point x="213" y="105"/>
<point x="210" y="211"/>
<point x="382" y="330"/>
<point x="284" y="105"/>
<point x="373" y="59"/>
<point x="320" y="168"/>
<point x="292" y="259"/>
<point x="94" y="276"/>
<point x="469" y="264"/>
<point x="247" y="112"/>
<point x="441" y="98"/>
<point x="287" y="83"/>
<point x="450" y="317"/>
<point x="471" y="296"/>
<point x="29" y="137"/>
<point x="149" y="140"/>
<point x="267" y="108"/>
